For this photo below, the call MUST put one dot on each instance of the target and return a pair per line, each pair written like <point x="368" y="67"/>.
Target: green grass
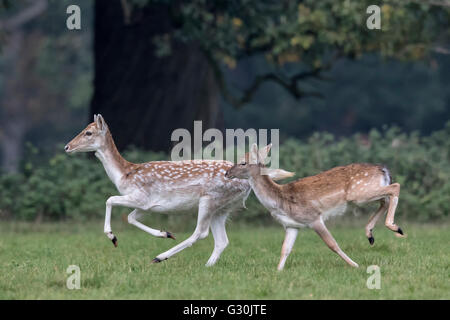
<point x="34" y="259"/>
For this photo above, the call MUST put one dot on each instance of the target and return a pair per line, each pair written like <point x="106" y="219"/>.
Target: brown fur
<point x="305" y="201"/>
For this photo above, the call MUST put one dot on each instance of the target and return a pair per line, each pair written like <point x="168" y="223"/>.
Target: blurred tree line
<point x="150" y="66"/>
<point x="357" y="96"/>
<point x="45" y="76"/>
<point x="75" y="188"/>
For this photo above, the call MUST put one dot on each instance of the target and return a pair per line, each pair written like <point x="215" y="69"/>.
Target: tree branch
<point x="439" y="3"/>
<point x="288" y="83"/>
<point x="441" y="50"/>
<point x="127" y="8"/>
<point x="24" y="16"/>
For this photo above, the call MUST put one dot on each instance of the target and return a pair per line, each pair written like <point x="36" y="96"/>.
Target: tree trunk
<point x="12" y="144"/>
<point x="13" y="124"/>
<point x="20" y="89"/>
<point x="142" y="97"/>
<point x="21" y="104"/>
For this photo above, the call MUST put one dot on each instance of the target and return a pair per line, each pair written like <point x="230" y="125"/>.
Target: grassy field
<point x="34" y="259"/>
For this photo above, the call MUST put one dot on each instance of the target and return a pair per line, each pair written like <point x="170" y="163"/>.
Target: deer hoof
<point x="371" y="240"/>
<point x="114" y="241"/>
<point x="156" y="260"/>
<point x="400" y="231"/>
<point x="170" y="235"/>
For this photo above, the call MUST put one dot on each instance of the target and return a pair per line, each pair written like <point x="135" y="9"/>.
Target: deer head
<point x="252" y="164"/>
<point x="92" y="138"/>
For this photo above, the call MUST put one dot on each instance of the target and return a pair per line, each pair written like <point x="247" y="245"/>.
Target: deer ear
<point x="263" y="152"/>
<point x="97" y="120"/>
<point x="101" y="124"/>
<point x="254" y="154"/>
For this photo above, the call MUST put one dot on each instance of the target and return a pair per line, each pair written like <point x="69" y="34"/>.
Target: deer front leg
<point x="107" y="229"/>
<point x="289" y="240"/>
<point x="326" y="236"/>
<point x="125" y="201"/>
<point x="132" y="219"/>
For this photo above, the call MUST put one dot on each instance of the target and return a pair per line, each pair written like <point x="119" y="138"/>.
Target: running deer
<point x="168" y="186"/>
<point x="309" y="201"/>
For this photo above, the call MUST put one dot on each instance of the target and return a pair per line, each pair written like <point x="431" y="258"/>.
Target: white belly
<point x="336" y="211"/>
<point x="172" y="203"/>
<point x="285" y="220"/>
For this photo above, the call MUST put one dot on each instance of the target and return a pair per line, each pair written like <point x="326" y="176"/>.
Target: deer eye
<point x="88" y="133"/>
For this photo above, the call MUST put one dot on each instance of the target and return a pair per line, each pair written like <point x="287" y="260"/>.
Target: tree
<point x="160" y="64"/>
<point x="142" y="95"/>
<point x="41" y="68"/>
<point x="18" y="55"/>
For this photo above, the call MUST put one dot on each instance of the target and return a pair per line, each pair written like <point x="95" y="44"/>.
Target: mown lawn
<point x="34" y="259"/>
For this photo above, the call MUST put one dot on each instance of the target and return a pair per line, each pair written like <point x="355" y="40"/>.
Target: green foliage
<point x="359" y="95"/>
<point x="420" y="164"/>
<point x="65" y="187"/>
<point x="76" y="187"/>
<point x="306" y="31"/>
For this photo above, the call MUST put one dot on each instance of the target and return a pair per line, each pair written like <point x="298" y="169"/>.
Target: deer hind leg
<point x="289" y="240"/>
<point x="220" y="237"/>
<point x="205" y="213"/>
<point x="384" y="204"/>
<point x="326" y="236"/>
<point x="132" y="219"/>
<point x="393" y="193"/>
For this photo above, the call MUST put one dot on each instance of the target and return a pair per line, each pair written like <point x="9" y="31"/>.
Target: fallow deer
<point x="167" y="186"/>
<point x="307" y="202"/>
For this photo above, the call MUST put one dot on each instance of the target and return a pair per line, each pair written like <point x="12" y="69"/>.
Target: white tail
<point x="309" y="201"/>
<point x="167" y="186"/>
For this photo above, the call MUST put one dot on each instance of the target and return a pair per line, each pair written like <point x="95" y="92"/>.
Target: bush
<point x="420" y="164"/>
<point x="76" y="187"/>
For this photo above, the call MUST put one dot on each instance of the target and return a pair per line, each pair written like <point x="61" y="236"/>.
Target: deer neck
<point x="266" y="190"/>
<point x="115" y="165"/>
